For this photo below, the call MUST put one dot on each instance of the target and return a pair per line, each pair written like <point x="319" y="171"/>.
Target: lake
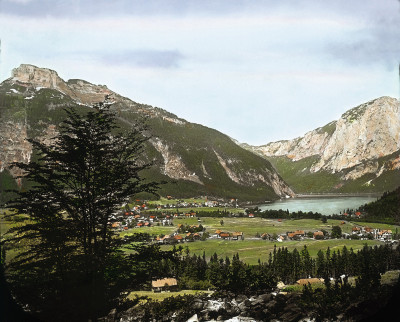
<point x="325" y="205"/>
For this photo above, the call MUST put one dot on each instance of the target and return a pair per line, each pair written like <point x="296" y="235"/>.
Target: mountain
<point x="200" y="160"/>
<point x="385" y="209"/>
<point x="360" y="152"/>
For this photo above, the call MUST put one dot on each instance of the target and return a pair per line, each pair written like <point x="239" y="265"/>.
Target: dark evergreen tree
<point x="336" y="232"/>
<point x="70" y="266"/>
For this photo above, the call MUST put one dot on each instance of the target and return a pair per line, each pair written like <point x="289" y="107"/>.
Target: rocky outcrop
<point x="289" y="307"/>
<point x="81" y="91"/>
<point x="360" y="137"/>
<point x="250" y="177"/>
<point x="14" y="147"/>
<point x="264" y="307"/>
<point x="173" y="164"/>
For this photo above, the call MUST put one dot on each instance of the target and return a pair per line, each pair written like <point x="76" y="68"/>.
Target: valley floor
<point x="253" y="248"/>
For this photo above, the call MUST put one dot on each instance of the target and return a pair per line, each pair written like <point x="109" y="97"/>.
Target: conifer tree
<point x="70" y="266"/>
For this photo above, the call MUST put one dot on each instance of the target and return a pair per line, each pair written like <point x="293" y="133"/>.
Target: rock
<point x="291" y="314"/>
<point x="194" y="318"/>
<point x="198" y="304"/>
<point x="349" y="146"/>
<point x="265" y="297"/>
<point x="241" y="298"/>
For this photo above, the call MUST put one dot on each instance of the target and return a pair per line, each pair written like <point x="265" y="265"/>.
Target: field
<point x="252" y="249"/>
<point x="163" y="295"/>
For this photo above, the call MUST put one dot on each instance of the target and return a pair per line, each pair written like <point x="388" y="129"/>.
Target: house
<point x="164" y="284"/>
<point x="225" y="235"/>
<point x="217" y="232"/>
<point x="251" y="215"/>
<point x="280" y="238"/>
<point x="368" y="229"/>
<point x="178" y="238"/>
<point x="385" y="235"/>
<point x="116" y="224"/>
<point x="306" y="281"/>
<point x="266" y="236"/>
<point x="163" y="240"/>
<point x="237" y="234"/>
<point x="297" y="234"/>
<point x="318" y="235"/>
<point x="356" y="230"/>
<point x="300" y="233"/>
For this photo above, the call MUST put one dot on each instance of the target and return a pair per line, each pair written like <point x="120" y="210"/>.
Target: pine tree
<point x="70" y="266"/>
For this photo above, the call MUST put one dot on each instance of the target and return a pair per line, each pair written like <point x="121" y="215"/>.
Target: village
<point x="139" y="217"/>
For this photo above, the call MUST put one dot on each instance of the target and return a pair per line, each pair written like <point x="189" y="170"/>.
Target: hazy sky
<point x="257" y="70"/>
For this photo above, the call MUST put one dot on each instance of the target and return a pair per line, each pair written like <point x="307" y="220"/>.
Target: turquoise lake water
<point x="323" y="205"/>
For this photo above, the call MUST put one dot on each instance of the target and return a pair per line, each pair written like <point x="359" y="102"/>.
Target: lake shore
<point x="325" y="204"/>
<point x="335" y="195"/>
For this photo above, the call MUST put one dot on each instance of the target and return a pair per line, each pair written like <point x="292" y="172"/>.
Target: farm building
<point x="164" y="284"/>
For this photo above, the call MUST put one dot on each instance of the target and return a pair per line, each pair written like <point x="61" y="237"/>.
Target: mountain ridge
<point x="202" y="160"/>
<point x="363" y="144"/>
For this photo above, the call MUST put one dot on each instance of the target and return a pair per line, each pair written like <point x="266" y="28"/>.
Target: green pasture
<point x="377" y="225"/>
<point x="165" y="201"/>
<point x="250" y="251"/>
<point x="159" y="296"/>
<point x="251" y="226"/>
<point x="198" y="209"/>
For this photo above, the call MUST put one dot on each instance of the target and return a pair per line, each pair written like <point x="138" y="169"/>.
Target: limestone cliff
<point x="349" y="147"/>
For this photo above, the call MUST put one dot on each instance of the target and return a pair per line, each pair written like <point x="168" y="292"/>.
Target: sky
<point x="258" y="71"/>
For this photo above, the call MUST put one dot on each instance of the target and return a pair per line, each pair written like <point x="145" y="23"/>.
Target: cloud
<point x="19" y="1"/>
<point x="380" y="45"/>
<point x="145" y="58"/>
<point x="77" y="8"/>
<point x="375" y="41"/>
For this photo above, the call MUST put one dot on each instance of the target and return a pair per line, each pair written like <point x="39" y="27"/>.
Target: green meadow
<point x="163" y="295"/>
<point x="252" y="249"/>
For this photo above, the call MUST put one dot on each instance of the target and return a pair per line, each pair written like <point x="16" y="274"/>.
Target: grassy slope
<point x="297" y="175"/>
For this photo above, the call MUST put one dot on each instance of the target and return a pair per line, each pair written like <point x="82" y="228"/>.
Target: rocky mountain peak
<point x="81" y="91"/>
<point x="38" y="77"/>
<point x="352" y="146"/>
